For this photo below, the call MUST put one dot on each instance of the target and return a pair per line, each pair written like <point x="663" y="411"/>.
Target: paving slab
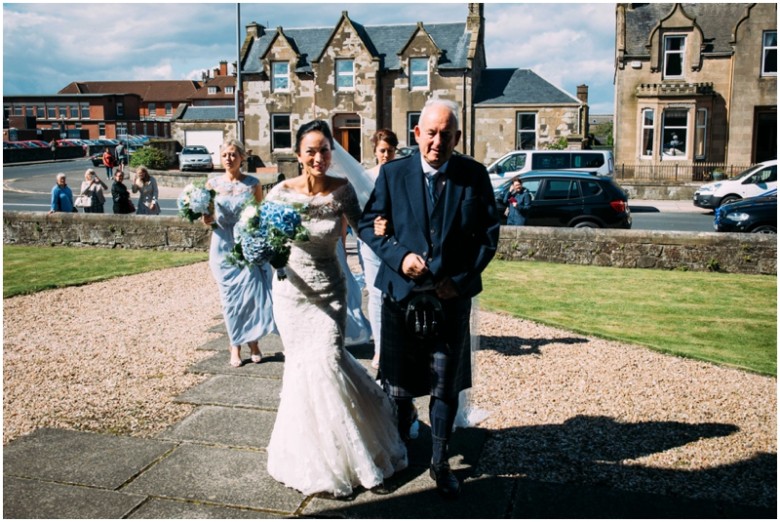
<point x="159" y="509"/>
<point x="29" y="498"/>
<point x="271" y="367"/>
<point x="416" y="497"/>
<point x="226" y="390"/>
<point x="220" y="343"/>
<point x="238" y="427"/>
<point x="231" y="477"/>
<point x="218" y="328"/>
<point x="87" y="459"/>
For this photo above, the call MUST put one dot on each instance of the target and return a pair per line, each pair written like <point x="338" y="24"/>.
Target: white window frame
<point x="669" y="53"/>
<point x="120" y="108"/>
<point x="212" y="89"/>
<point x="151" y="109"/>
<point x="168" y="109"/>
<point x="40" y="112"/>
<point x="647" y="127"/>
<point x="229" y="89"/>
<point x="700" y="134"/>
<point x="85" y="114"/>
<point x="417" y="73"/>
<point x="767" y="49"/>
<point x="524" y="131"/>
<point x="51" y="111"/>
<point x="412" y="118"/>
<point x="275" y="131"/>
<point x="280" y="76"/>
<point x="347" y="75"/>
<point x="684" y="129"/>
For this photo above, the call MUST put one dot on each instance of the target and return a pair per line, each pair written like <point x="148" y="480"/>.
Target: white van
<point x="750" y="183"/>
<point x="600" y="162"/>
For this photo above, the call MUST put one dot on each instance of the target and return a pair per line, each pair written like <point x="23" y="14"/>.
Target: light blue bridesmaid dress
<point x="245" y="292"/>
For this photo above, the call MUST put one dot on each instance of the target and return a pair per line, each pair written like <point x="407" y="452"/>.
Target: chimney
<point x="582" y="93"/>
<point x="223" y="68"/>
<point x="216" y="73"/>
<point x="255" y="30"/>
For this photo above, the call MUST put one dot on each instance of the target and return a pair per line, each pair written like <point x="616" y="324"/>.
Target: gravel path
<point x="110" y="357"/>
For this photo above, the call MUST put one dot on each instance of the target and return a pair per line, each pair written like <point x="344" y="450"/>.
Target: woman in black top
<point x="120" y="195"/>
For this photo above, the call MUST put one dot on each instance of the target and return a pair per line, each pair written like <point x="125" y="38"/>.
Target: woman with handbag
<point x="147" y="186"/>
<point x="92" y="198"/>
<point x="120" y="195"/>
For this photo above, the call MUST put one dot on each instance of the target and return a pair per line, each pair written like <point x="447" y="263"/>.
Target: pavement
<point x="212" y="464"/>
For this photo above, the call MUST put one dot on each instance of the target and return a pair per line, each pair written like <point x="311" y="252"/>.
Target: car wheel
<point x="729" y="199"/>
<point x="586" y="224"/>
<point x="765" y="229"/>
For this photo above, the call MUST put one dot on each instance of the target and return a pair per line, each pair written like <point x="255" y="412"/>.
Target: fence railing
<point x="679" y="172"/>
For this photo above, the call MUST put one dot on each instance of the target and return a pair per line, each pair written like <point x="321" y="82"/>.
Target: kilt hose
<point x="411" y="367"/>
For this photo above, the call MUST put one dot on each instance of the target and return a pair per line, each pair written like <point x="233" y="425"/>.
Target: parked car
<point x="195" y="157"/>
<point x="598" y="162"/>
<point x="402" y="152"/>
<point x="757" y="215"/>
<point x="572" y="199"/>
<point x="749" y="183"/>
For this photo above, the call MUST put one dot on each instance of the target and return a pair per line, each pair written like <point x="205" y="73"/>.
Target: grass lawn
<point x="723" y="318"/>
<point x="28" y="269"/>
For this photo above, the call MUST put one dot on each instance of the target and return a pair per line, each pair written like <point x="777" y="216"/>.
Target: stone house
<point x="695" y="83"/>
<point x="362" y="78"/>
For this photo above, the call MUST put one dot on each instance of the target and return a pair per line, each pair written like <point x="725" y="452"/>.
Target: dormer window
<point x="674" y="57"/>
<point x="418" y="73"/>
<point x="345" y="75"/>
<point x="280" y="76"/>
<point x="212" y="90"/>
<point x="229" y="89"/>
<point x="769" y="61"/>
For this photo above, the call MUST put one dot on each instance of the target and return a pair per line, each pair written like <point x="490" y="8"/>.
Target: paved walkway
<point x="212" y="464"/>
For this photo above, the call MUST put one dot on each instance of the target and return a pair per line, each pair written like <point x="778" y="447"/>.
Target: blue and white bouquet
<point x="264" y="232"/>
<point x="195" y="201"/>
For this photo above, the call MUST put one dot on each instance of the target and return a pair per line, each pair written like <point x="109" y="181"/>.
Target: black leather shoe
<point x="447" y="484"/>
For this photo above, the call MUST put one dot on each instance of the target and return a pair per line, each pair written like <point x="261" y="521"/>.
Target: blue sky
<point x="47" y="46"/>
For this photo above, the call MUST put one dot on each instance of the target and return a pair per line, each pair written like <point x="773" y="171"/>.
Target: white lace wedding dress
<point x="335" y="428"/>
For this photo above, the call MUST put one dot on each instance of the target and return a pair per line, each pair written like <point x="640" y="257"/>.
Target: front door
<point x="346" y="131"/>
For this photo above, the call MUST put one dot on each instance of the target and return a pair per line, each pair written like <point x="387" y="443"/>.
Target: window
<point x="17" y="110"/>
<point x="120" y="109"/>
<point x="674" y="56"/>
<point x="700" y="136"/>
<point x="230" y="89"/>
<point x="675" y="133"/>
<point x="648" y="132"/>
<point x="559" y="189"/>
<point x="586" y="160"/>
<point x="51" y="111"/>
<point x="280" y="76"/>
<point x="551" y="160"/>
<point x="212" y="90"/>
<point x="101" y="129"/>
<point x="513" y="163"/>
<point x="418" y="73"/>
<point x="345" y="75"/>
<point x="85" y="111"/>
<point x="28" y="110"/>
<point x="526" y="130"/>
<point x="769" y="60"/>
<point x="168" y="109"/>
<point x="63" y="111"/>
<point x="74" y="111"/>
<point x="281" y="135"/>
<point x="411" y="122"/>
<point x="152" y="109"/>
<point x="40" y="111"/>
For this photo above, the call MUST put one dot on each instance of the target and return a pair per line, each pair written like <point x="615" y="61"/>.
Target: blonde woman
<point x="93" y="186"/>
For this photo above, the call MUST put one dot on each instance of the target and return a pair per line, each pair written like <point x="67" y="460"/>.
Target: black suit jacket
<point x="458" y="244"/>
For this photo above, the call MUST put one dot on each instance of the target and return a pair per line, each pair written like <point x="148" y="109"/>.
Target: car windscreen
<point x="195" y="150"/>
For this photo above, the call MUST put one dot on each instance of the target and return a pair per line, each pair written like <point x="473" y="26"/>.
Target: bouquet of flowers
<point x="196" y="200"/>
<point x="264" y="232"/>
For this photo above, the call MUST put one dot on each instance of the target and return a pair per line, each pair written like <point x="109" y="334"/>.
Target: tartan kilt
<point x="413" y="368"/>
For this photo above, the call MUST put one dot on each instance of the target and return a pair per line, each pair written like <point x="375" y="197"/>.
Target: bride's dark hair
<point x="313" y="126"/>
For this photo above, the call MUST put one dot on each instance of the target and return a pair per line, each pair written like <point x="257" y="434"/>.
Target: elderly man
<point x="61" y="196"/>
<point x="442" y="233"/>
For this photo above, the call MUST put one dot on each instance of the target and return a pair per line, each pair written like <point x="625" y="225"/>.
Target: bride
<point x="335" y="428"/>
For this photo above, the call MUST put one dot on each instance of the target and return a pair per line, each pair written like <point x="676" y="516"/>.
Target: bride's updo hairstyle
<point x="237" y="144"/>
<point x="312" y="126"/>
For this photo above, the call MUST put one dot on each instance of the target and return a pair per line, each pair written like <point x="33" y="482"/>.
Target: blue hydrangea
<point x="200" y="199"/>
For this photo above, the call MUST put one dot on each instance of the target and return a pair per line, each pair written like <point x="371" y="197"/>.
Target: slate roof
<point x="208" y="113"/>
<point x="383" y="41"/>
<point x="717" y="22"/>
<point x="149" y="91"/>
<point x="519" y="86"/>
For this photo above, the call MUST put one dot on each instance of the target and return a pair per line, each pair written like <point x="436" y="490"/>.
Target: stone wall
<point x="698" y="251"/>
<point x="702" y="251"/>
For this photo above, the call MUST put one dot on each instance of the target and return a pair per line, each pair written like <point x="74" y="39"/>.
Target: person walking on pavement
<point x="109" y="161"/>
<point x="442" y="233"/>
<point x="62" y="196"/>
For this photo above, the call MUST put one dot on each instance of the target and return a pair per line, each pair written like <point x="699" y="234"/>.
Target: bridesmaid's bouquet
<point x="195" y="201"/>
<point x="264" y="232"/>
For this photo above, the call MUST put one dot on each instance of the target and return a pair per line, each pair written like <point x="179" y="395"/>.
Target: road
<point x="28" y="188"/>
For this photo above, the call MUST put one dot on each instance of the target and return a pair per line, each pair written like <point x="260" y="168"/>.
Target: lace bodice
<point x="230" y="199"/>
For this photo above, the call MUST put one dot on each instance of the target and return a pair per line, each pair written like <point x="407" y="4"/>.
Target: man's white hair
<point x="60" y="175"/>
<point x="449" y="104"/>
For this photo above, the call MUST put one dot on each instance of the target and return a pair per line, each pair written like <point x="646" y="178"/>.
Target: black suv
<point x="572" y="199"/>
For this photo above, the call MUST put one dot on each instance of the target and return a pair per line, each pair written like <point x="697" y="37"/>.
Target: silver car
<point x="195" y="157"/>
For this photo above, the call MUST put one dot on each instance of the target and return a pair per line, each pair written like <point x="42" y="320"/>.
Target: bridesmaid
<point x="245" y="292"/>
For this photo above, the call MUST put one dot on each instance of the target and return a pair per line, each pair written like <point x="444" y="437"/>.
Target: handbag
<point x="425" y="316"/>
<point x="83" y="201"/>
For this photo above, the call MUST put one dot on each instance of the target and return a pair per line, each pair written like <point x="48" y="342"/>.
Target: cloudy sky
<point x="47" y="46"/>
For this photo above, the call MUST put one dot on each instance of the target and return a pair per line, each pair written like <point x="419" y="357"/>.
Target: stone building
<point x="362" y="78"/>
<point x="696" y="83"/>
